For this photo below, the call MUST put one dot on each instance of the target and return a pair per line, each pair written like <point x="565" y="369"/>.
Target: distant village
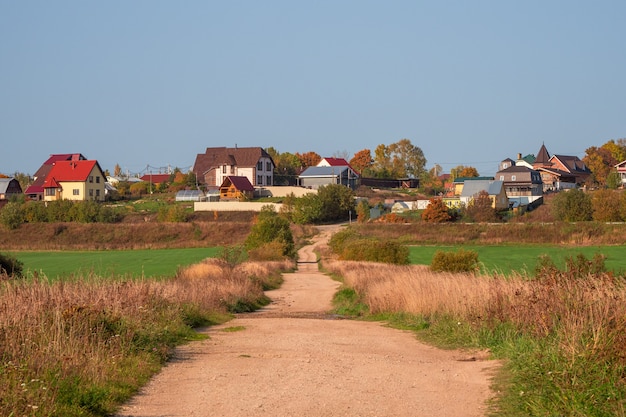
<point x="246" y="173"/>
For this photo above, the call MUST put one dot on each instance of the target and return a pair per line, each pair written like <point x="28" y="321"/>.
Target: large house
<point x="35" y="190"/>
<point x="78" y="180"/>
<point x="522" y="185"/>
<point x="560" y="171"/>
<point x="216" y="164"/>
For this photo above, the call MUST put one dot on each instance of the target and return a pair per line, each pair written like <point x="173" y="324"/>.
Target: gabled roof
<point x="241" y="157"/>
<point x="67" y="171"/>
<point x="517" y="168"/>
<point x="239" y="182"/>
<point x="471" y="188"/>
<point x="155" y="178"/>
<point x="332" y="171"/>
<point x="335" y="162"/>
<point x="45" y="167"/>
<point x="573" y="164"/>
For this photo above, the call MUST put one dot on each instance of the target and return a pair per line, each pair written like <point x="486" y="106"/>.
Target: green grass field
<point x="507" y="259"/>
<point x="148" y="263"/>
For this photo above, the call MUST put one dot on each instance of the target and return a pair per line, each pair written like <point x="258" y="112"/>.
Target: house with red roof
<point x="35" y="190"/>
<point x="77" y="180"/>
<point x="156" y="179"/>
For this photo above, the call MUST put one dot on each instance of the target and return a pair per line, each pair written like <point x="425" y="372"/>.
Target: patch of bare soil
<point x="294" y="359"/>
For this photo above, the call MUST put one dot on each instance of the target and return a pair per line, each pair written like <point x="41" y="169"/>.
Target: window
<point x="259" y="179"/>
<point x="513" y="178"/>
<point x="268" y="180"/>
<point x="259" y="166"/>
<point x="97" y="193"/>
<point x="90" y="193"/>
<point x="268" y="166"/>
<point x="501" y="177"/>
<point x="76" y="191"/>
<point x="232" y="169"/>
<point x="97" y="180"/>
<point x="223" y="169"/>
<point x="50" y="191"/>
<point x="91" y="178"/>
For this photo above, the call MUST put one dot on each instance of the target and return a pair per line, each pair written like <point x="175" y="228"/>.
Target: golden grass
<point x="587" y="314"/>
<point x="103" y="332"/>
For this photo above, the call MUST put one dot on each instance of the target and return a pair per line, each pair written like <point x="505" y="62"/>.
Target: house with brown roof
<point x="560" y="171"/>
<point x="522" y="185"/>
<point x="77" y="180"/>
<point x="236" y="188"/>
<point x="216" y="164"/>
<point x="35" y="190"/>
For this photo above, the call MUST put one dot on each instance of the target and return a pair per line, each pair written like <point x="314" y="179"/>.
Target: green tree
<point x="572" y="206"/>
<point x="269" y="228"/>
<point x="12" y="215"/>
<point x="337" y="202"/>
<point x="398" y="160"/>
<point x="463" y="171"/>
<point x="613" y="180"/>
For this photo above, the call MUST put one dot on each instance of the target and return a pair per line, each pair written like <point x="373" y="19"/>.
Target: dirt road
<point x="292" y="359"/>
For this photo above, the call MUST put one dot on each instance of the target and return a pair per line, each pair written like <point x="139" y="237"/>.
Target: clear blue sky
<point x="148" y="82"/>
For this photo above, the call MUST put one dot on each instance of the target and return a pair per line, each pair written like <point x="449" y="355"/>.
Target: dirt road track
<point x="292" y="359"/>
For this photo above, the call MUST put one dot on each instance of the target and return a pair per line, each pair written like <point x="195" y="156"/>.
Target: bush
<point x="12" y="215"/>
<point x="174" y="213"/>
<point x="10" y="266"/>
<point x="436" y="211"/>
<point x="374" y="250"/>
<point x="270" y="227"/>
<point x="572" y="206"/>
<point x="459" y="261"/>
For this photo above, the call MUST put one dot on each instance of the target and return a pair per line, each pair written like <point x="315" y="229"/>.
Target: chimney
<point x="519" y="156"/>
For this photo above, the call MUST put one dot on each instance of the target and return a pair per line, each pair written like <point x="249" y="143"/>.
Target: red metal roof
<point x="155" y="178"/>
<point x="63" y="171"/>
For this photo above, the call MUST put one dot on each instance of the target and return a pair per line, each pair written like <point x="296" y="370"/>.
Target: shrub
<point x="362" y="211"/>
<point x="12" y="215"/>
<point x="572" y="206"/>
<point x="374" y="250"/>
<point x="480" y="209"/>
<point x="35" y="212"/>
<point x="436" y="211"/>
<point x="270" y="227"/>
<point x="173" y="213"/>
<point x="459" y="261"/>
<point x="10" y="266"/>
<point x="606" y="206"/>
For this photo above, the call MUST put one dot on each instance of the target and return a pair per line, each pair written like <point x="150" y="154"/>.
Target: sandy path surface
<point x="293" y="359"/>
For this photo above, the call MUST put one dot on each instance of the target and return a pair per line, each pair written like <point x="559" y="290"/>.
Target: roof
<point x="543" y="157"/>
<point x="73" y="170"/>
<point x="331" y="171"/>
<point x="5" y="182"/>
<point x="155" y="178"/>
<point x="239" y="182"/>
<point x="463" y="179"/>
<point x="517" y="168"/>
<point x="471" y="188"/>
<point x="241" y="157"/>
<point x="573" y="163"/>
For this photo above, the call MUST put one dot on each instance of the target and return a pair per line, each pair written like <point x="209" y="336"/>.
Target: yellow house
<point x="75" y="180"/>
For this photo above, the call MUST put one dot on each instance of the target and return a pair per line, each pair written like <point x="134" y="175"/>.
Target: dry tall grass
<point x="587" y="315"/>
<point x="77" y="345"/>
